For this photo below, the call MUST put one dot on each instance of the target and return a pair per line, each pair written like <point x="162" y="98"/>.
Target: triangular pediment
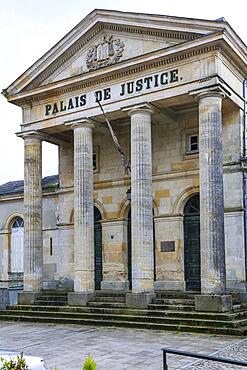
<point x="106" y="38"/>
<point x="108" y="48"/>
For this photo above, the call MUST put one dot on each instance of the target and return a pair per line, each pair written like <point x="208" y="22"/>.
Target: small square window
<point x="192" y="144"/>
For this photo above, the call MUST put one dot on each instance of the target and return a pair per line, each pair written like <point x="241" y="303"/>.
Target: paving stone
<point x="113" y="348"/>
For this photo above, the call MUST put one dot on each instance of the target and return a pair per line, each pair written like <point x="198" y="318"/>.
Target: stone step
<point x="173" y="301"/>
<point x="54" y="293"/>
<point x="173" y="295"/>
<point x="194" y="319"/>
<point x="109" y="293"/>
<point x="41" y="302"/>
<point x="171" y="307"/>
<point x="134" y="318"/>
<point x="135" y="324"/>
<point x="53" y="298"/>
<point x="107" y="304"/>
<point x="128" y="311"/>
<point x="120" y="299"/>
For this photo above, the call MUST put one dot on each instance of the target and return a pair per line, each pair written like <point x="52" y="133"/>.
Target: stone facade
<point x="164" y="89"/>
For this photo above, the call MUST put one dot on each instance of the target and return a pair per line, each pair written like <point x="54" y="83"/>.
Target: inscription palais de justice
<point x="157" y="80"/>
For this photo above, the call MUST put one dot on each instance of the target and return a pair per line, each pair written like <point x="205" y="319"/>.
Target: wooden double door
<point x="192" y="262"/>
<point x="98" y="249"/>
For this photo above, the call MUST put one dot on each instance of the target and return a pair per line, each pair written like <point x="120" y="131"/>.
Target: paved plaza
<point x="65" y="347"/>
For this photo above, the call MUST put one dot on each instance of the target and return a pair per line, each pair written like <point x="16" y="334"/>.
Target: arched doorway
<point x="192" y="262"/>
<point x="16" y="245"/>
<point x="130" y="247"/>
<point x="97" y="248"/>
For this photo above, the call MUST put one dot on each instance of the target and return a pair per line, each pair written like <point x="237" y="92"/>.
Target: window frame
<point x="189" y="144"/>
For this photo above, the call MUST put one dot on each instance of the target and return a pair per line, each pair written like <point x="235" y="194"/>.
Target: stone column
<point x="33" y="238"/>
<point x="212" y="237"/>
<point x="141" y="207"/>
<point x="84" y="281"/>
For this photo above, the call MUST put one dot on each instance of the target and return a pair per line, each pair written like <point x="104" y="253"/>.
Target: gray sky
<point x="29" y="28"/>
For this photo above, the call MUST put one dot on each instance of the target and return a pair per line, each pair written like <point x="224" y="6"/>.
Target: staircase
<point x="52" y="298"/>
<point x="168" y="311"/>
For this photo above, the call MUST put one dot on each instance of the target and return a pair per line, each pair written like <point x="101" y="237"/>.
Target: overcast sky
<point x="29" y="28"/>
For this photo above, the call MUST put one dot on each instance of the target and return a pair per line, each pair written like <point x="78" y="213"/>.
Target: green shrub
<point x="89" y="364"/>
<point x="14" y="364"/>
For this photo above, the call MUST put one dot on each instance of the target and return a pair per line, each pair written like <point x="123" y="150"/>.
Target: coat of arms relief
<point x="108" y="51"/>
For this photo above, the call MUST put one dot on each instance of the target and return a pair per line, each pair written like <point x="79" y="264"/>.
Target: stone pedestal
<point x="213" y="303"/>
<point x="84" y="281"/>
<point x="141" y="201"/>
<point x="212" y="238"/>
<point x="33" y="239"/>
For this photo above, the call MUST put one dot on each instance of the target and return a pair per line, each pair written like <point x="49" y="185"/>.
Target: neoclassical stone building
<point x="173" y="89"/>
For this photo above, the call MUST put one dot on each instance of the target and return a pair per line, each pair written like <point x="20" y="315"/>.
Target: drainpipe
<point x="245" y="176"/>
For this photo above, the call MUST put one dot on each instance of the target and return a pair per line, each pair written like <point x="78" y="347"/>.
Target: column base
<point x="26" y="298"/>
<point x="139" y="300"/>
<point x="213" y="303"/>
<point x="79" y="298"/>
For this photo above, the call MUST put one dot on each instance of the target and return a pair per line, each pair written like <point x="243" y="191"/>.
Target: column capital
<point x="140" y="108"/>
<point x="81" y="123"/>
<point x="34" y="135"/>
<point x="210" y="92"/>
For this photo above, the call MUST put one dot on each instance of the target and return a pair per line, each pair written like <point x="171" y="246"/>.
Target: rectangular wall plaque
<point x="167" y="246"/>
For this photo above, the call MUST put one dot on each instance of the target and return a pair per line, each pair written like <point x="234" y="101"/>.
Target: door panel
<point x="192" y="248"/>
<point x="129" y="250"/>
<point x="97" y="249"/>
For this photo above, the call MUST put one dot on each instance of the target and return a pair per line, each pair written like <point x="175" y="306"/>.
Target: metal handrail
<point x="196" y="355"/>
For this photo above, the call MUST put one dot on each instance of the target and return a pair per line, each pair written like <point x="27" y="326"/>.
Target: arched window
<point x="18" y="223"/>
<point x="192" y="206"/>
<point x="17" y="236"/>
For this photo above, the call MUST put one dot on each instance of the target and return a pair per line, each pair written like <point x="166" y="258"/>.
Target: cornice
<point x="109" y="76"/>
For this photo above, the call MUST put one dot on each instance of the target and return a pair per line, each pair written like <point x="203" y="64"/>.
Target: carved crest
<point x="108" y="51"/>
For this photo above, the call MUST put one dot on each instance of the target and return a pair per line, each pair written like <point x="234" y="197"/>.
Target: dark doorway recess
<point x="97" y="248"/>
<point x="192" y="260"/>
<point x="129" y="250"/>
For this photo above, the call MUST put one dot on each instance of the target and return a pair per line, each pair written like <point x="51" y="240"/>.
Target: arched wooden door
<point x="16" y="245"/>
<point x="129" y="250"/>
<point x="192" y="262"/>
<point x="97" y="249"/>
